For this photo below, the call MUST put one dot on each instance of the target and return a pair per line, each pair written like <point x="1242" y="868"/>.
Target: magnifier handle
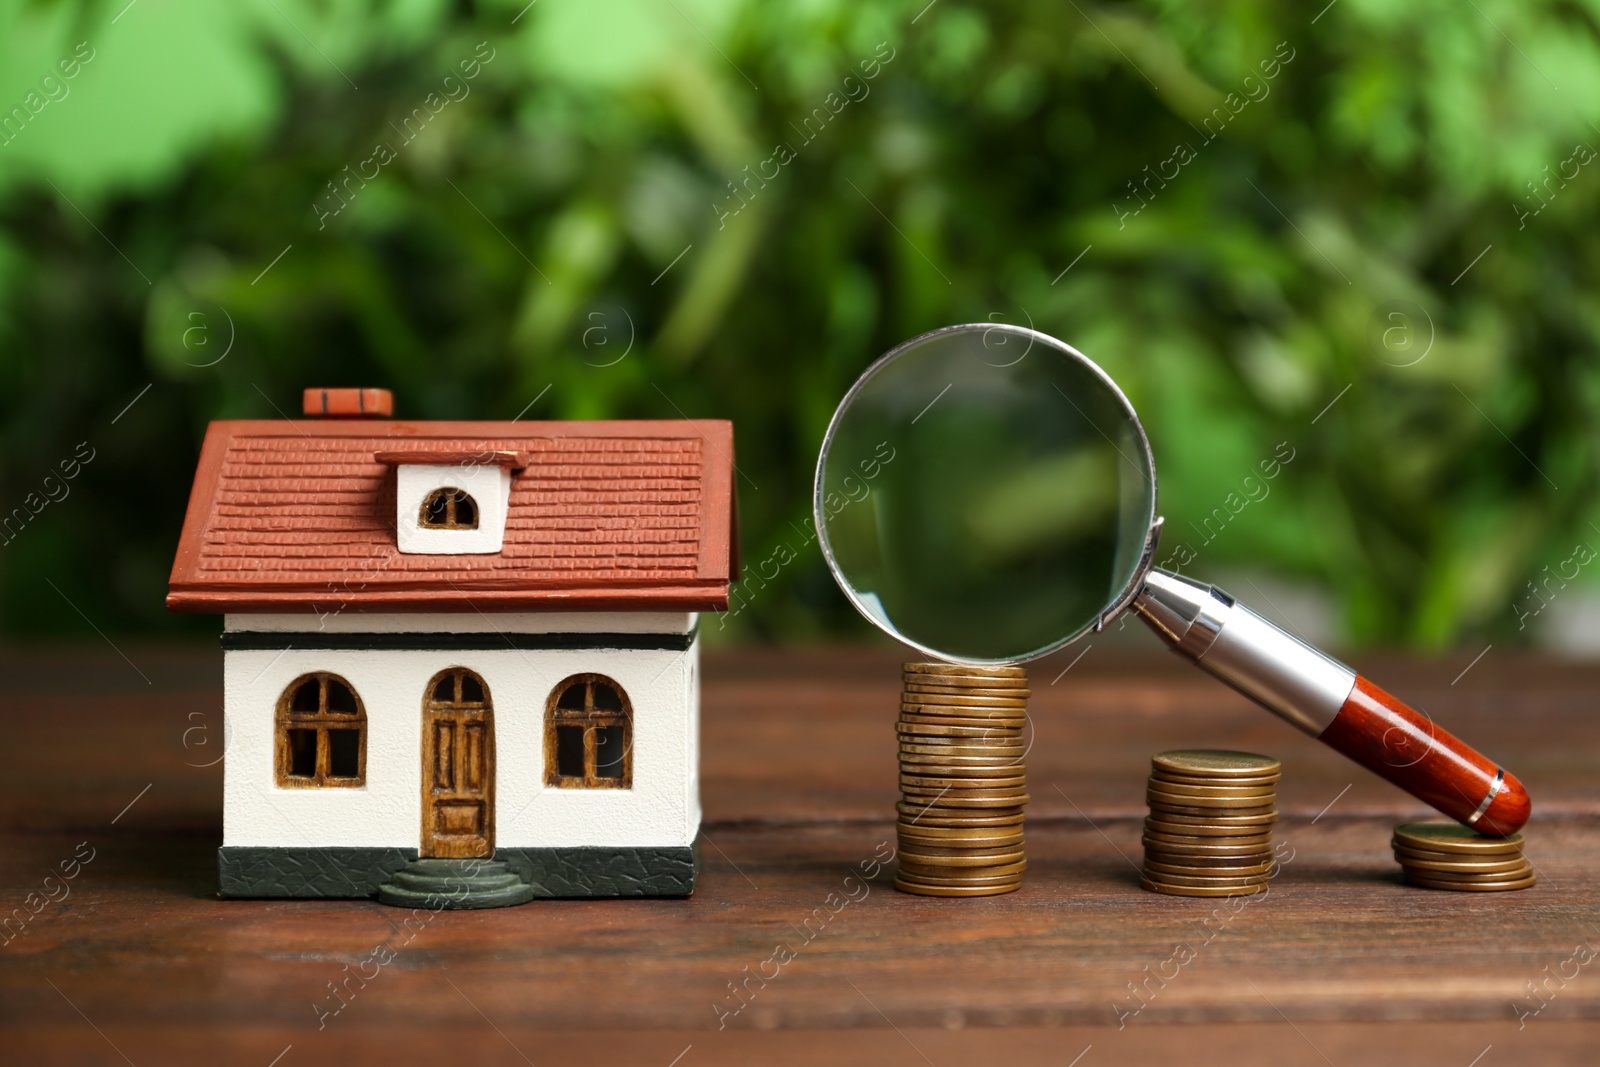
<point x="1330" y="701"/>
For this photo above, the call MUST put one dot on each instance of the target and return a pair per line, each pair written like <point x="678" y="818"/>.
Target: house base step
<point x="454" y="884"/>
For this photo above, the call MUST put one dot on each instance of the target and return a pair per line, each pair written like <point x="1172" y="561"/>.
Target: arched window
<point x="322" y="733"/>
<point x="588" y="734"/>
<point x="449" y="509"/>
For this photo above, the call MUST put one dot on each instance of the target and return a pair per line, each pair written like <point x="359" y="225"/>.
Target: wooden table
<point x="142" y="964"/>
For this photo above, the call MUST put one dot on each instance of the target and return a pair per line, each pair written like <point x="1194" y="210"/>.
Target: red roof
<point x="288" y="515"/>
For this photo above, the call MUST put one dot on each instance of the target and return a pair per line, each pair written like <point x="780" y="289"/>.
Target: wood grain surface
<point x="795" y="942"/>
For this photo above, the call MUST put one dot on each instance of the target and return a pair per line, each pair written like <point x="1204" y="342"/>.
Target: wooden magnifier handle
<point x="1396" y="742"/>
<point x="1331" y="702"/>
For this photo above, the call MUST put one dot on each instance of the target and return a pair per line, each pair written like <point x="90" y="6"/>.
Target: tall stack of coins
<point x="1447" y="855"/>
<point x="962" y="783"/>
<point x="1209" y="831"/>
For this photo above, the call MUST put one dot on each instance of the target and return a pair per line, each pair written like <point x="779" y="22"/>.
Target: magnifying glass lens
<point x="985" y="494"/>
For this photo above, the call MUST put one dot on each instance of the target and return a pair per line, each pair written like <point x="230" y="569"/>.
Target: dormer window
<point x="451" y="503"/>
<point x="449" y="509"/>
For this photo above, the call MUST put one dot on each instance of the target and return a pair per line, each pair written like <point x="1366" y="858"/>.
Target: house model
<point x="458" y="641"/>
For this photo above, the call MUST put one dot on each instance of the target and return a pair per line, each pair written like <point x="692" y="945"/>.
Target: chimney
<point x="348" y="404"/>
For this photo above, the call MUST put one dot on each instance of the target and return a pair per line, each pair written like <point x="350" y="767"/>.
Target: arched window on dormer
<point x="448" y="508"/>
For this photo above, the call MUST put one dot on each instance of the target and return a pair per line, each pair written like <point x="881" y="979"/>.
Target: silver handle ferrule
<point x="1277" y="670"/>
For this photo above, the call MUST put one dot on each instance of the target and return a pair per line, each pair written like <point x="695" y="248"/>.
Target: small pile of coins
<point x="1209" y="831"/>
<point x="962" y="781"/>
<point x="1447" y="855"/>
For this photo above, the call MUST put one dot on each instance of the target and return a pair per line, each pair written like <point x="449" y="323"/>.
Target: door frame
<point x="478" y="846"/>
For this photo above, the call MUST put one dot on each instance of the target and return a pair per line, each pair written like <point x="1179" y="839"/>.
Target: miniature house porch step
<point x="455" y="884"/>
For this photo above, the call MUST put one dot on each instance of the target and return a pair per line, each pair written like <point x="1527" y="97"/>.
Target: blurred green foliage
<point x="571" y="202"/>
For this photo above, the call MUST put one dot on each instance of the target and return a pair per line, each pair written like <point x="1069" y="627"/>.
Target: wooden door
<point x="457" y="766"/>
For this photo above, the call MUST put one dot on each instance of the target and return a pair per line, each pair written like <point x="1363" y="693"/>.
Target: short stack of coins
<point x="1447" y="855"/>
<point x="962" y="782"/>
<point x="1209" y="831"/>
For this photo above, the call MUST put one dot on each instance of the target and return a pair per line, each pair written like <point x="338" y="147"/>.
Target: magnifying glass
<point x="987" y="495"/>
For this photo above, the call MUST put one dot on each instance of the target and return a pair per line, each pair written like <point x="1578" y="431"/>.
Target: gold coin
<point x="991" y="843"/>
<point x="1008" y="692"/>
<point x="968" y="778"/>
<point x="917" y="729"/>
<point x="1453" y="837"/>
<point x="1513" y="863"/>
<point x="955" y="717"/>
<point x="989" y="750"/>
<point x="1204" y="793"/>
<point x="1012" y="880"/>
<point x="1217" y="865"/>
<point x="1154" y="825"/>
<point x="921" y="814"/>
<point x="1208" y="806"/>
<point x="957" y="891"/>
<point x="1473" y="887"/>
<point x="1200" y="891"/>
<point x="965" y="799"/>
<point x="984" y="733"/>
<point x="1471" y="879"/>
<point x="1197" y="841"/>
<point x="984" y="774"/>
<point x="957" y="832"/>
<point x="1215" y="763"/>
<point x="1230" y="882"/>
<point x="964" y="682"/>
<point x="1190" y="779"/>
<point x="958" y="858"/>
<point x="1180" y="858"/>
<point x="975" y="670"/>
<point x="999" y="763"/>
<point x="1011" y="705"/>
<point x="937" y="875"/>
<point x="1232" y="821"/>
<point x="1195" y="871"/>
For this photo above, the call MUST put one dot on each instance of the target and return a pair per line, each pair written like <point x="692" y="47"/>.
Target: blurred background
<point x="1354" y="247"/>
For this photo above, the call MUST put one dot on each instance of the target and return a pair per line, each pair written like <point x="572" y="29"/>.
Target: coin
<point x="1490" y="867"/>
<point x="1008" y="692"/>
<point x="925" y="857"/>
<point x="1472" y="887"/>
<point x="1191" y="779"/>
<point x="1215" y="763"/>
<point x="1218" y="882"/>
<point x="956" y="890"/>
<point x="987" y="766"/>
<point x="991" y="842"/>
<point x="1155" y="825"/>
<point x="978" y="670"/>
<point x="968" y="778"/>
<point x="1208" y="792"/>
<point x="937" y="875"/>
<point x="963" y="880"/>
<point x="1236" y="821"/>
<point x="1520" y="870"/>
<point x="1199" y="842"/>
<point x="1154" y="854"/>
<point x="1200" y="891"/>
<point x="967" y="757"/>
<point x="1194" y="871"/>
<point x="965" y="799"/>
<point x="1453" y="837"/>
<point x="1205" y="805"/>
<point x="988" y="718"/>
<point x="987" y="749"/>
<point x="917" y="729"/>
<point x="966" y="700"/>
<point x="928" y="815"/>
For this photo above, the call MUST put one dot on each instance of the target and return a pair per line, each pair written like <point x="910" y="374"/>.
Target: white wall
<point x="662" y="808"/>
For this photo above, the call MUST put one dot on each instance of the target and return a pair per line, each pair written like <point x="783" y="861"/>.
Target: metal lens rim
<point x="1153" y="524"/>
